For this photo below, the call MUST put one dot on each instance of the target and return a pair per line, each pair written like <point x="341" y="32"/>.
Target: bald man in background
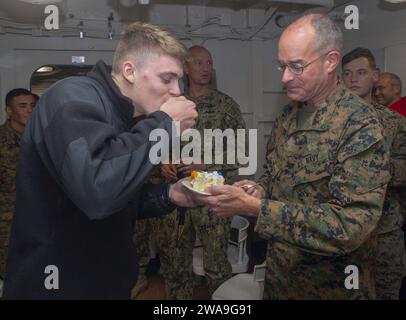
<point x="388" y="92"/>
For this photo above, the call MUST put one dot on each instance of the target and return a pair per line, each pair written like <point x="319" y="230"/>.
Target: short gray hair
<point x="328" y="35"/>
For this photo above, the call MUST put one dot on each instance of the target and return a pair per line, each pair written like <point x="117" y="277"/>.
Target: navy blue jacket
<point x="80" y="187"/>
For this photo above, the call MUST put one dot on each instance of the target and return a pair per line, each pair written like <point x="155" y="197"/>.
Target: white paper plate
<point x="248" y="186"/>
<point x="187" y="185"/>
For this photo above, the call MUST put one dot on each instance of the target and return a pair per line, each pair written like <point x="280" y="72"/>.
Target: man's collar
<point x="321" y="119"/>
<point x="11" y="129"/>
<point x="123" y="105"/>
<point x="208" y="92"/>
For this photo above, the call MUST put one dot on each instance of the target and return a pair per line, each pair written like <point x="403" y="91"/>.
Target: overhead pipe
<point x="321" y="3"/>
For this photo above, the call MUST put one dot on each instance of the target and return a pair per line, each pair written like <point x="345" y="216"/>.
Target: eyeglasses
<point x="295" y="67"/>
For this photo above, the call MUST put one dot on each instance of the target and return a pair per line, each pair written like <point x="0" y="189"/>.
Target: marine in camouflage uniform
<point x="391" y="257"/>
<point x="326" y="177"/>
<point x="216" y="111"/>
<point x="9" y="150"/>
<point x="143" y="234"/>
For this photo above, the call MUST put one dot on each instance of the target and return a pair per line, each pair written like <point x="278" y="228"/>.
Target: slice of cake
<point x="201" y="180"/>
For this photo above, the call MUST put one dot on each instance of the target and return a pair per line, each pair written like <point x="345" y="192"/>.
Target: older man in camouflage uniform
<point x="19" y="105"/>
<point x="178" y="231"/>
<point x="359" y="75"/>
<point x="326" y="177"/>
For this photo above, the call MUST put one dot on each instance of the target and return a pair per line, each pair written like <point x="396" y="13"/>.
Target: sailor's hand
<point x="183" y="197"/>
<point x="227" y="201"/>
<point x="181" y="110"/>
<point x="169" y="171"/>
<point x="252" y="188"/>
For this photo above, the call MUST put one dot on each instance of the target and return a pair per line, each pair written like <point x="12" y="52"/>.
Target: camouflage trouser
<point x="5" y="226"/>
<point x="143" y="232"/>
<point x="391" y="265"/>
<point x="176" y="253"/>
<point x="402" y="201"/>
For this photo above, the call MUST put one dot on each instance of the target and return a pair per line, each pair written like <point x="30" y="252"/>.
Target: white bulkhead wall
<point x="242" y="56"/>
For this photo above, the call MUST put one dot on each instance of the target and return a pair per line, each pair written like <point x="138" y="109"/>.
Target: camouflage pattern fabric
<point x="214" y="235"/>
<point x="144" y="232"/>
<point x="398" y="156"/>
<point x="391" y="261"/>
<point x="175" y="255"/>
<point x="391" y="257"/>
<point x="326" y="185"/>
<point x="398" y="171"/>
<point x="218" y="111"/>
<point x="9" y="149"/>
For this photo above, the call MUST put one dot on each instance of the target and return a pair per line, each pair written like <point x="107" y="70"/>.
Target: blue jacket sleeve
<point x="100" y="169"/>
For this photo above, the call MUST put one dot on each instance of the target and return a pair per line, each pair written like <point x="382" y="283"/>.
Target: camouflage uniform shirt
<point x="9" y="149"/>
<point x="394" y="127"/>
<point x="326" y="184"/>
<point x="218" y="111"/>
<point x="390" y="256"/>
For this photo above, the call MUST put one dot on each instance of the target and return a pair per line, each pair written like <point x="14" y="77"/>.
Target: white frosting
<point x="204" y="179"/>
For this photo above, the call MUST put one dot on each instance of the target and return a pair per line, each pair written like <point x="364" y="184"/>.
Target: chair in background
<point x="243" y="286"/>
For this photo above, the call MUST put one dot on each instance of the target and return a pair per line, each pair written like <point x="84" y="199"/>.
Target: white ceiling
<point x="23" y="12"/>
<point x="204" y="18"/>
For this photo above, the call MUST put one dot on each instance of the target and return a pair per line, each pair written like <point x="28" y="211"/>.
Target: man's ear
<point x="185" y="68"/>
<point x="128" y="69"/>
<point x="8" y="111"/>
<point x="333" y="59"/>
<point x="397" y="89"/>
<point x="375" y="76"/>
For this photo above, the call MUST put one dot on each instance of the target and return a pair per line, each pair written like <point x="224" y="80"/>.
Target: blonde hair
<point x="142" y="39"/>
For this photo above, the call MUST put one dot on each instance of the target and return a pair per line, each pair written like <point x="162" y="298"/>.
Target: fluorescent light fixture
<point x="41" y="1"/>
<point x="78" y="59"/>
<point x="45" y="69"/>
